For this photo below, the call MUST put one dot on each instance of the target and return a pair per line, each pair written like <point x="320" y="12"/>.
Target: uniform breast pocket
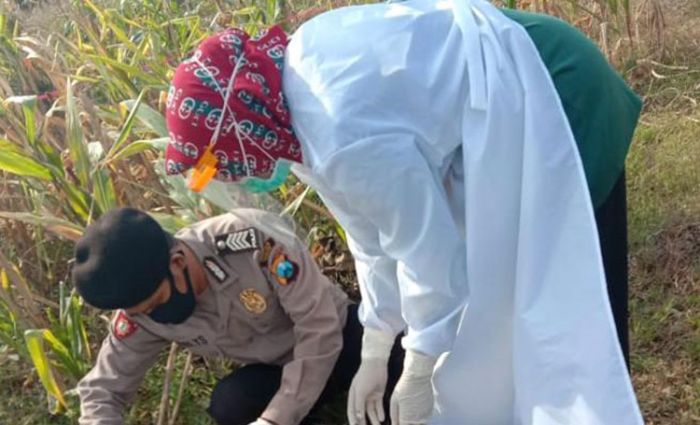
<point x="263" y="311"/>
<point x="275" y="317"/>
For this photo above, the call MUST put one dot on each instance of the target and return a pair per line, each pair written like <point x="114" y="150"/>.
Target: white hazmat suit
<point x="433" y="132"/>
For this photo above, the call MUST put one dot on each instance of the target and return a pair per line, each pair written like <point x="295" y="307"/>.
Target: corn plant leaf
<point x="4" y="280"/>
<point x="103" y="190"/>
<point x="28" y="39"/>
<point x="171" y="223"/>
<point x="293" y="206"/>
<point x="15" y="162"/>
<point x="62" y="228"/>
<point x="273" y="11"/>
<point x="141" y="146"/>
<point x="122" y="36"/>
<point x="20" y="100"/>
<point x="77" y="200"/>
<point x="56" y="345"/>
<point x="246" y="11"/>
<point x="129" y="69"/>
<point x="126" y="128"/>
<point x="28" y="104"/>
<point x="34" y="339"/>
<point x="79" y="331"/>
<point x="78" y="148"/>
<point x="149" y="117"/>
<point x="66" y="360"/>
<point x="31" y="54"/>
<point x="341" y="232"/>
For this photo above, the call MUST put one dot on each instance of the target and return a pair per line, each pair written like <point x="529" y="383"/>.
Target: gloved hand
<point x="261" y="421"/>
<point x="412" y="401"/>
<point x="368" y="385"/>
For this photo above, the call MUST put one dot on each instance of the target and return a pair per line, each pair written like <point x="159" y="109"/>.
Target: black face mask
<point x="179" y="306"/>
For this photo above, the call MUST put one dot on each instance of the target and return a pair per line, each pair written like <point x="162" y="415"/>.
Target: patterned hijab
<point x="253" y="131"/>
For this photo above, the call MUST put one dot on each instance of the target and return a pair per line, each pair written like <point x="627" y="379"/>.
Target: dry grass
<point x="664" y="211"/>
<point x="664" y="208"/>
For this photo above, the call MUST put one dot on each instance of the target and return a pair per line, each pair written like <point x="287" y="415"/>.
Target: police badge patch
<point x="123" y="326"/>
<point x="253" y="301"/>
<point x="215" y="269"/>
<point x="283" y="270"/>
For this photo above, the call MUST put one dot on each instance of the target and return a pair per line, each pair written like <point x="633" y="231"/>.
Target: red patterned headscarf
<point x="255" y="130"/>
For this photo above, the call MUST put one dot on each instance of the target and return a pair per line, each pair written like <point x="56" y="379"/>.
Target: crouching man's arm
<point x="307" y="296"/>
<point x="124" y="358"/>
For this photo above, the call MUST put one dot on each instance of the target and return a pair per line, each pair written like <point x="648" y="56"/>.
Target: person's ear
<point x="177" y="258"/>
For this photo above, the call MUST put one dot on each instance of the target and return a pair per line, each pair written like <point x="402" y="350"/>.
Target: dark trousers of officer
<point x="611" y="218"/>
<point x="242" y="396"/>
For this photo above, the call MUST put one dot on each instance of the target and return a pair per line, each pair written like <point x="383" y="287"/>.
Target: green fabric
<point x="602" y="110"/>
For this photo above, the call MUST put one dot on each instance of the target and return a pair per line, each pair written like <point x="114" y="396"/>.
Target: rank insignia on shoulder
<point x="239" y="241"/>
<point x="283" y="270"/>
<point x="266" y="251"/>
<point x="215" y="269"/>
<point x="253" y="301"/>
<point x="123" y="326"/>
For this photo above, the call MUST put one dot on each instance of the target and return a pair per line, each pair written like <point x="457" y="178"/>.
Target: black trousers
<point x="240" y="398"/>
<point x="611" y="217"/>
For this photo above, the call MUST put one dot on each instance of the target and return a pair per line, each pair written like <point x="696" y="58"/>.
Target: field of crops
<point x="82" y="90"/>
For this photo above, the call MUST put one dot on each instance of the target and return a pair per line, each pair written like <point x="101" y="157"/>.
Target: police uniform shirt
<point x="250" y="312"/>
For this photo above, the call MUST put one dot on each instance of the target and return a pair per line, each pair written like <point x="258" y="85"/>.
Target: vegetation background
<point x="82" y="91"/>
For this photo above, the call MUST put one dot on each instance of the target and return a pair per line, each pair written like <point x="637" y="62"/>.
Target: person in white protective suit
<point x="474" y="157"/>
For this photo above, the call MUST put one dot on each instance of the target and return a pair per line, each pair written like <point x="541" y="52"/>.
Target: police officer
<point x="221" y="287"/>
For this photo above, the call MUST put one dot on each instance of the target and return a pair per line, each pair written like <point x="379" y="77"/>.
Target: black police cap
<point x="121" y="259"/>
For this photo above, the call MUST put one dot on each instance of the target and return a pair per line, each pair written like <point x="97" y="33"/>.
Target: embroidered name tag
<point x="215" y="269"/>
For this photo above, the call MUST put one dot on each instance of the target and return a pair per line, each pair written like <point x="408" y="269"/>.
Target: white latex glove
<point x="368" y="385"/>
<point x="412" y="401"/>
<point x="261" y="421"/>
